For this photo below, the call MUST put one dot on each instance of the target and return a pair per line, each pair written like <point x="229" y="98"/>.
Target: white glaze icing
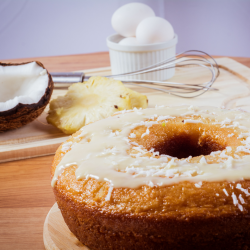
<point x="102" y="153"/>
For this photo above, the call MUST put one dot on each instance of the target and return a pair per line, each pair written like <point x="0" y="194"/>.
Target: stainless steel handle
<point x="67" y="77"/>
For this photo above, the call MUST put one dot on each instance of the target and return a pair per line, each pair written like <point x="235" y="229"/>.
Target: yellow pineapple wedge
<point x="137" y="100"/>
<point x="95" y="99"/>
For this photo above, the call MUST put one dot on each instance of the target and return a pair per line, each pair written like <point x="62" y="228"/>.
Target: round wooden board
<point x="56" y="234"/>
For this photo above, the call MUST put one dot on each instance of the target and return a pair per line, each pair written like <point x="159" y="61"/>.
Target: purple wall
<point x="30" y="28"/>
<point x="220" y="27"/>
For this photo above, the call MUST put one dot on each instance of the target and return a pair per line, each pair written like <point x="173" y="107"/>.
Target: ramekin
<point x="124" y="58"/>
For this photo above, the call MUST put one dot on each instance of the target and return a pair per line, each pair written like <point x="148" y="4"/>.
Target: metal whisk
<point x="190" y="58"/>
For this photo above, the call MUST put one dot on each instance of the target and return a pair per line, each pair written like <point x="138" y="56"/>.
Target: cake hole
<point x="185" y="145"/>
<point x="181" y="140"/>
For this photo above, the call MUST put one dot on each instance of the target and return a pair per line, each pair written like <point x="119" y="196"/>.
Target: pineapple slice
<point x="90" y="101"/>
<point x="137" y="100"/>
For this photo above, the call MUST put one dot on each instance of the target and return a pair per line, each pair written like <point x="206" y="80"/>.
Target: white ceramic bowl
<point x="126" y="58"/>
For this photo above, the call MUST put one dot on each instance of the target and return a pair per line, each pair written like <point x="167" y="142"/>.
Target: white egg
<point x="129" y="41"/>
<point x="126" y="19"/>
<point x="154" y="30"/>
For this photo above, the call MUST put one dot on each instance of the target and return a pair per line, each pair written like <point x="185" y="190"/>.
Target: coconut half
<point x="25" y="90"/>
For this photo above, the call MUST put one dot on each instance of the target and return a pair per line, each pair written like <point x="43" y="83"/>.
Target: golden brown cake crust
<point x="179" y="216"/>
<point x="113" y="231"/>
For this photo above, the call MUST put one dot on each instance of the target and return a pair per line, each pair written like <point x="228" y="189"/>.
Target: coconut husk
<point x="23" y="114"/>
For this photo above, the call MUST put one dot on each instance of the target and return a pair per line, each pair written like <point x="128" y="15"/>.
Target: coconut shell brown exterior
<point x="179" y="216"/>
<point x="23" y="114"/>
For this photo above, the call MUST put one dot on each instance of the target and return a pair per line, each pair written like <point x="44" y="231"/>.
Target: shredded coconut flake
<point x="151" y="184"/>
<point x="241" y="199"/>
<point x="107" y="198"/>
<point x="146" y="133"/>
<point x="140" y="149"/>
<point x="243" y="135"/>
<point x="225" y="191"/>
<point x="132" y="135"/>
<point x="192" y="121"/>
<point x="223" y="155"/>
<point x="138" y="111"/>
<point x="236" y="203"/>
<point x="242" y="189"/>
<point x="161" y="117"/>
<point x="203" y="160"/>
<point x="108" y="151"/>
<point x="199" y="184"/>
<point x="242" y="149"/>
<point x="66" y="146"/>
<point x="236" y="156"/>
<point x="229" y="162"/>
<point x="171" y="163"/>
<point x="226" y="121"/>
<point x="92" y="176"/>
<point x="111" y="134"/>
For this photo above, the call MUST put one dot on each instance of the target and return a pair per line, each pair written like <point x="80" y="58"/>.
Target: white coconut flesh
<point x="24" y="84"/>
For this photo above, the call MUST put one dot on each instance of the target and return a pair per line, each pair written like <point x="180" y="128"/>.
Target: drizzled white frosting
<point x="102" y="153"/>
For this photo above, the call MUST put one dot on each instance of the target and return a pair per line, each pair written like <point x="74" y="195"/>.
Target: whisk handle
<point x="67" y="77"/>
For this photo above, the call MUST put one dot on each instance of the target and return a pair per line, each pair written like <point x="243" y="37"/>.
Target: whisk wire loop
<point x="187" y="59"/>
<point x="190" y="58"/>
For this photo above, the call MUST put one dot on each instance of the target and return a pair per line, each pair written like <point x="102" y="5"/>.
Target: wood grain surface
<point x="70" y="63"/>
<point x="25" y="192"/>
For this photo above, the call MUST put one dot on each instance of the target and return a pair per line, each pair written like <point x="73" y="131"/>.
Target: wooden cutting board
<point x="56" y="234"/>
<point x="39" y="138"/>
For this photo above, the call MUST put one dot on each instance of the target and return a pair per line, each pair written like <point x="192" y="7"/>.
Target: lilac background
<point x="30" y="28"/>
